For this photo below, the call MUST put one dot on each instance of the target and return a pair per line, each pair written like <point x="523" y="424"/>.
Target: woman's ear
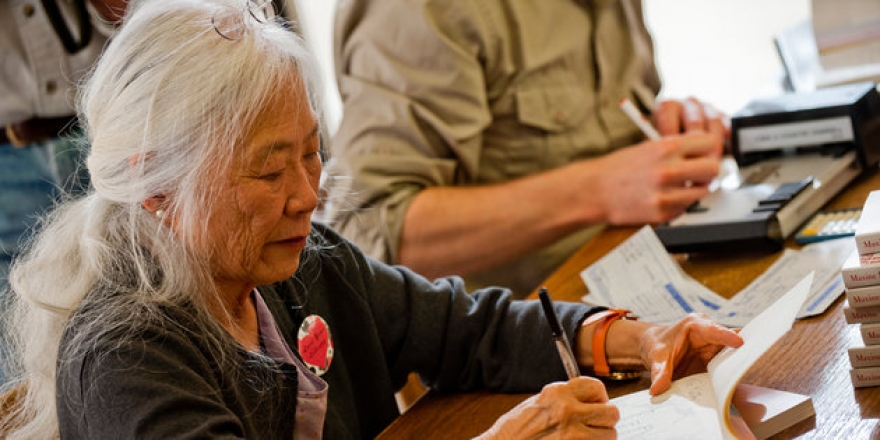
<point x="155" y="205"/>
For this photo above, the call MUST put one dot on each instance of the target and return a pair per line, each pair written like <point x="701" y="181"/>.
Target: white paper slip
<point x="639" y="275"/>
<point x="823" y="259"/>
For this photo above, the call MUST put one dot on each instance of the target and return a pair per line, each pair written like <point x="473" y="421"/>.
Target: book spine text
<point x="867" y="356"/>
<point x="870" y="333"/>
<point x="865" y="377"/>
<point x="867" y="233"/>
<point x="868" y="243"/>
<point x="861" y="315"/>
<point x="860" y="276"/>
<point x="863" y="296"/>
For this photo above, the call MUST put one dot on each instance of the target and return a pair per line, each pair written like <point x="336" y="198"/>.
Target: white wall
<point x="720" y="51"/>
<point x="316" y="21"/>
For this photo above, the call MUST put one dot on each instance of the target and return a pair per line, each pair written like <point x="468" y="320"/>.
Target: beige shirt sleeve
<point x="414" y="108"/>
<point x="471" y="92"/>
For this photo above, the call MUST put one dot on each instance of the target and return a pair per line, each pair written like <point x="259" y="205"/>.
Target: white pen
<point x="562" y="345"/>
<point x="636" y="116"/>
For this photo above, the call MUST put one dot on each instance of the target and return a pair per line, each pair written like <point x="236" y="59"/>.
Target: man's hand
<point x="655" y="181"/>
<point x="689" y="116"/>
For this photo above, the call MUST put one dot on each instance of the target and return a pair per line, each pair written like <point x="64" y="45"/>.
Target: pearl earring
<point x="160" y="213"/>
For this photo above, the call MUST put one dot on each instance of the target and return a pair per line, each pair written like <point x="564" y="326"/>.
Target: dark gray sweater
<point x="385" y="322"/>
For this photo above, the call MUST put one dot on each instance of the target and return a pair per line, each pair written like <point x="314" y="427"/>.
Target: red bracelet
<point x="600" y="359"/>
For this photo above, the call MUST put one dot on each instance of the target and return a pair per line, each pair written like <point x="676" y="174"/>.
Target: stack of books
<point x="861" y="278"/>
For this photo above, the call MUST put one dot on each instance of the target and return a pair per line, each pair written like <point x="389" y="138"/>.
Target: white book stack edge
<point x="864" y="356"/>
<point x="861" y="315"/>
<point x="865" y="360"/>
<point x="867" y="233"/>
<point x="870" y="333"/>
<point x="861" y="270"/>
<point x="863" y="296"/>
<point x="865" y="377"/>
<point x="861" y="279"/>
<point x="767" y="411"/>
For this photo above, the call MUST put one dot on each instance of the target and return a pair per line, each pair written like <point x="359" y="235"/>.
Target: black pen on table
<point x="562" y="344"/>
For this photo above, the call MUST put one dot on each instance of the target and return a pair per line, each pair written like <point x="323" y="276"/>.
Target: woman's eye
<point x="270" y="176"/>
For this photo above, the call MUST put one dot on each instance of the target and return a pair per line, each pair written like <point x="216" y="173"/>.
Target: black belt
<point x="21" y="134"/>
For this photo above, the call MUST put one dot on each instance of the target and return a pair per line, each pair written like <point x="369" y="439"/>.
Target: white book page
<point x="686" y="411"/>
<point x="728" y="366"/>
<point x="696" y="407"/>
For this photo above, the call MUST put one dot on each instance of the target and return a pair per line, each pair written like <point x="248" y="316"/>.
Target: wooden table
<point x="811" y="359"/>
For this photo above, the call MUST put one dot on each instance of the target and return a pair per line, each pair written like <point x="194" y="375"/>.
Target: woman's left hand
<point x="684" y="348"/>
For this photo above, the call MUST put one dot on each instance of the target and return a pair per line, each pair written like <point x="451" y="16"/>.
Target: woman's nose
<point x="303" y="195"/>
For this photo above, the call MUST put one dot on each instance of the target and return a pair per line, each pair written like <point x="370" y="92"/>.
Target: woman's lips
<point x="292" y="242"/>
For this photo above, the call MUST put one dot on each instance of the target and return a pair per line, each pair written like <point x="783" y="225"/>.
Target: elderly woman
<point x="189" y="295"/>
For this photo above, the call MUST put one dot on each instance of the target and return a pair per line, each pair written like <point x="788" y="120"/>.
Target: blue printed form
<point x="639" y="275"/>
<point x="823" y="258"/>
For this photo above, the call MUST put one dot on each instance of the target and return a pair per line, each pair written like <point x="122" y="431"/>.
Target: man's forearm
<point x="463" y="230"/>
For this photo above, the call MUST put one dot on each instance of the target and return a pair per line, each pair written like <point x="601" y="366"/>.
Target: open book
<point x="699" y="406"/>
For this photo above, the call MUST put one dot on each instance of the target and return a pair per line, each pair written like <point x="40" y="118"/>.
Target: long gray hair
<point x="164" y="109"/>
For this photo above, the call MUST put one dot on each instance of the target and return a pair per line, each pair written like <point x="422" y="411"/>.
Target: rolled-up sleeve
<point x="414" y="109"/>
<point x="477" y="92"/>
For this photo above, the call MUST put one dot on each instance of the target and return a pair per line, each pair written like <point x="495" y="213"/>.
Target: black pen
<point x="562" y="344"/>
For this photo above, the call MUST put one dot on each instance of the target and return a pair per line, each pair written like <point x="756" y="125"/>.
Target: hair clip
<point x="262" y="11"/>
<point x="229" y="23"/>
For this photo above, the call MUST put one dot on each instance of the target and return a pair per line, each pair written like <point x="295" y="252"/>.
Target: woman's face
<point x="263" y="206"/>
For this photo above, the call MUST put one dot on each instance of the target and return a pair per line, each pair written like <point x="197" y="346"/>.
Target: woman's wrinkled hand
<point x="578" y="408"/>
<point x="685" y="348"/>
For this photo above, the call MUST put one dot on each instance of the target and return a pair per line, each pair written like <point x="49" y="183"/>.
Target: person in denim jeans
<point x="45" y="48"/>
<point x="31" y="180"/>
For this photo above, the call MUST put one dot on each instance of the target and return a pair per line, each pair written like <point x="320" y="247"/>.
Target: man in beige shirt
<point x="484" y="138"/>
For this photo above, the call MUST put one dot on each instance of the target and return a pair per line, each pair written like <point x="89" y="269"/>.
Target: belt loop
<point x="23" y="133"/>
<point x="14" y="138"/>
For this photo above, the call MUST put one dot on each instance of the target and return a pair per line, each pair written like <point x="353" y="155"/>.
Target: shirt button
<point x="51" y="87"/>
<point x="28" y="10"/>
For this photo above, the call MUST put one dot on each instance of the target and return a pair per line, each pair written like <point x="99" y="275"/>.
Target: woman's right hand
<point x="578" y="408"/>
